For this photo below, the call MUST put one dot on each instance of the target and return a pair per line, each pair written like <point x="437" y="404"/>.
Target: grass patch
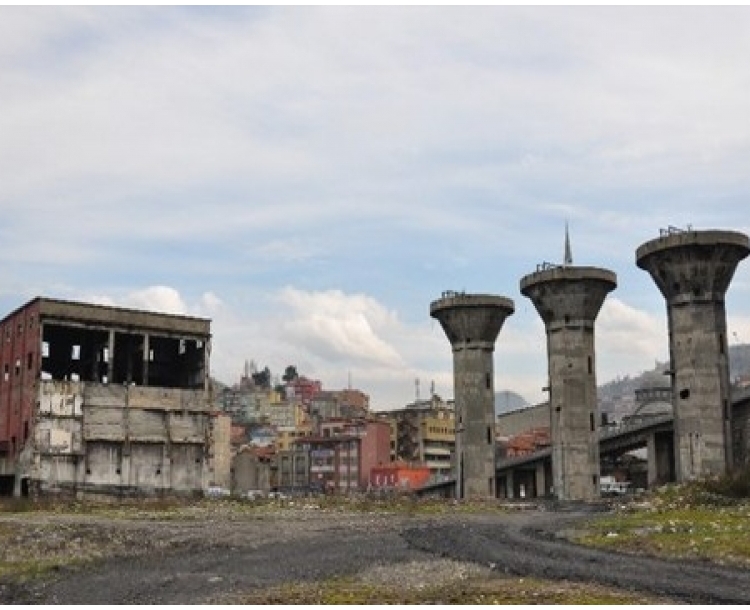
<point x="495" y="590"/>
<point x="679" y="521"/>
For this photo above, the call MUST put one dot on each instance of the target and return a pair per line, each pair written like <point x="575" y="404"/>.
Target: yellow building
<point x="424" y="432"/>
<point x="285" y="437"/>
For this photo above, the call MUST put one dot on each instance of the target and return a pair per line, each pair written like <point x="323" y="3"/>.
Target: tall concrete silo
<point x="693" y="270"/>
<point x="472" y="323"/>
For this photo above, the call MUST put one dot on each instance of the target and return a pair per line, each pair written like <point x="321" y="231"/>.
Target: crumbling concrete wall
<point x="92" y="436"/>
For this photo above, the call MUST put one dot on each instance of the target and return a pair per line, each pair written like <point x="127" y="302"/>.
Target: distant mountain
<point x="506" y="401"/>
<point x="617" y="397"/>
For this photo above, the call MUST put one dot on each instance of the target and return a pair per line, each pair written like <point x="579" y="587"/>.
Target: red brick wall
<point x="376" y="449"/>
<point x="20" y="365"/>
<point x="399" y="477"/>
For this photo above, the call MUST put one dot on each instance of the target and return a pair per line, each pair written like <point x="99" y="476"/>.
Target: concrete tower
<point x="568" y="300"/>
<point x="472" y="323"/>
<point x="693" y="270"/>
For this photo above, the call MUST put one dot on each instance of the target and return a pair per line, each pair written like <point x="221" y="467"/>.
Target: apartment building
<point x="341" y="459"/>
<point x="424" y="433"/>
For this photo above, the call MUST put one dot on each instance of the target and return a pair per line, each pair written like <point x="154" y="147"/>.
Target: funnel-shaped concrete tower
<point x="472" y="323"/>
<point x="693" y="270"/>
<point x="568" y="299"/>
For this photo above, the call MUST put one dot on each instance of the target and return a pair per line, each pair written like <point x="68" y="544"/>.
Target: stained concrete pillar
<point x="660" y="449"/>
<point x="541" y="480"/>
<point x="510" y="486"/>
<point x="568" y="299"/>
<point x="693" y="269"/>
<point x="472" y="323"/>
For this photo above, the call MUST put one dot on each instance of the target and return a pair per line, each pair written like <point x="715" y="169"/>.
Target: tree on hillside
<point x="290" y="374"/>
<point x="262" y="379"/>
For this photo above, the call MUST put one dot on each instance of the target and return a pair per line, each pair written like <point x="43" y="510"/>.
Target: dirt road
<point x="210" y="559"/>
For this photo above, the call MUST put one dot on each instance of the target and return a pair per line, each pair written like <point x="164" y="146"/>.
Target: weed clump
<point x="735" y="485"/>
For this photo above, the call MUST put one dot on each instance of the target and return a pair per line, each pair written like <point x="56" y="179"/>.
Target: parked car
<point x="254" y="494"/>
<point x="214" y="491"/>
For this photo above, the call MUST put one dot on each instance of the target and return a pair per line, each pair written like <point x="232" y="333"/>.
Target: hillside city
<point x="289" y="434"/>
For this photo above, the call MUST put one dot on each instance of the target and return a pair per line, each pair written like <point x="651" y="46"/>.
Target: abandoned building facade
<point x="98" y="399"/>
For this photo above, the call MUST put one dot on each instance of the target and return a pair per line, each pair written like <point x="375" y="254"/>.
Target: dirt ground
<point x="216" y="553"/>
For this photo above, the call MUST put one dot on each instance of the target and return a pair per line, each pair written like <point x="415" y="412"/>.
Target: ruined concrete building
<point x="98" y="399"/>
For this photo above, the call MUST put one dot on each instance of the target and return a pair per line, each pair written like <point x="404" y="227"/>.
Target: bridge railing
<point x="634" y="426"/>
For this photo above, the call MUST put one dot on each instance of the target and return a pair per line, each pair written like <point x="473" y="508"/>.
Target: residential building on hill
<point x="303" y="389"/>
<point x="424" y="433"/>
<point x="341" y="459"/>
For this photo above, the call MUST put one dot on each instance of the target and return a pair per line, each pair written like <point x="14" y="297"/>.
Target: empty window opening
<point x="127" y="359"/>
<point x="594" y="479"/>
<point x="30" y="361"/>
<point x="567" y="319"/>
<point x="158" y="471"/>
<point x="489" y="435"/>
<point x="685" y="394"/>
<point x="591" y="422"/>
<point x="117" y="471"/>
<point x="18" y="367"/>
<point x="591" y="365"/>
<point x="488" y="381"/>
<point x="73" y="350"/>
<point x="721" y="343"/>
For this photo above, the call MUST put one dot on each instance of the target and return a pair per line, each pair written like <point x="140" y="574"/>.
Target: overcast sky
<point x="312" y="178"/>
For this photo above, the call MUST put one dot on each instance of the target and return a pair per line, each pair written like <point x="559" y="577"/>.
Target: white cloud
<point x="336" y="326"/>
<point x="230" y="153"/>
<point x="157" y="298"/>
<point x="628" y="340"/>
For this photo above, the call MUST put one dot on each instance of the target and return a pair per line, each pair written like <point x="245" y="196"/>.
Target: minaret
<point x="472" y="323"/>
<point x="568" y="257"/>
<point x="568" y="299"/>
<point x="693" y="269"/>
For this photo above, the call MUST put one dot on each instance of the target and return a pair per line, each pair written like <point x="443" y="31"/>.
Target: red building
<point x="342" y="461"/>
<point x="399" y="476"/>
<point x="304" y="389"/>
